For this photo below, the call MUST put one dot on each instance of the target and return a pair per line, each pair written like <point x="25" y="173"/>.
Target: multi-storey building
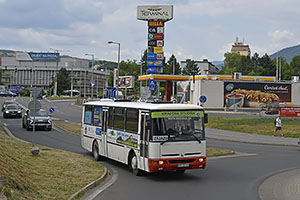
<point x="240" y="48"/>
<point x="19" y="71"/>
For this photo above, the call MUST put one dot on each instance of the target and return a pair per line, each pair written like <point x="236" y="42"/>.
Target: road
<point x="229" y="178"/>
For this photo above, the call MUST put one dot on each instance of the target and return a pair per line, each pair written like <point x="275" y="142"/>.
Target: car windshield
<point x="12" y="107"/>
<point x="9" y="102"/>
<point x="183" y="128"/>
<point x="40" y="113"/>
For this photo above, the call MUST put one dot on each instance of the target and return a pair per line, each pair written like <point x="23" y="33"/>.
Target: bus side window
<point x="132" y="120"/>
<point x="119" y="117"/>
<point x="88" y="114"/>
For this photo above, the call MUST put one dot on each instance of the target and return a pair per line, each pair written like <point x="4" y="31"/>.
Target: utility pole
<point x="55" y="83"/>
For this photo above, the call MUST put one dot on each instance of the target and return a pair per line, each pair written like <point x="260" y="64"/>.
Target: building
<point x="204" y="66"/>
<point x="240" y="48"/>
<point x="22" y="70"/>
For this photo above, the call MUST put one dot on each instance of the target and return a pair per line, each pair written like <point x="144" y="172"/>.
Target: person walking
<point x="278" y="126"/>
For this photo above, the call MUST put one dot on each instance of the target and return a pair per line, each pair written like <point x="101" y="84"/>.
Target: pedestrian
<point x="278" y="126"/>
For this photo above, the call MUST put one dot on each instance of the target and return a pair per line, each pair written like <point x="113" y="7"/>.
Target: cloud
<point x="280" y="38"/>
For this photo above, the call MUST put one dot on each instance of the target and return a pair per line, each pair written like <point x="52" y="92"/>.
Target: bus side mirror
<point x="205" y="118"/>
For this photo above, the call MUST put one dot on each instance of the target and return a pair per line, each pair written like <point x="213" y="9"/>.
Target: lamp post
<point x="92" y="81"/>
<point x="117" y="85"/>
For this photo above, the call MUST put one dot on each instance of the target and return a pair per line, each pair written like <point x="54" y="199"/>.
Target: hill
<point x="288" y="53"/>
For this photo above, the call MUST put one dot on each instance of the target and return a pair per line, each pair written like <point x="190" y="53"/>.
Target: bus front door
<point x="104" y="132"/>
<point x="144" y="140"/>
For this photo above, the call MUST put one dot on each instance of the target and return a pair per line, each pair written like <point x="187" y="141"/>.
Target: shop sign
<point x="152" y="43"/>
<point x="155" y="12"/>
<point x="157" y="49"/>
<point x="158" y="63"/>
<point x="290" y="111"/>
<point x="151" y="56"/>
<point x="160" y="43"/>
<point x="159" y="29"/>
<point x="156" y="23"/>
<point x="152" y="29"/>
<point x="158" y="36"/>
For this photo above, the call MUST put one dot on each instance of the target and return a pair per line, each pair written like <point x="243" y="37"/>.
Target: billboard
<point x="32" y="56"/>
<point x="157" y="12"/>
<point x="255" y="95"/>
<point x="290" y="111"/>
<point x="126" y="81"/>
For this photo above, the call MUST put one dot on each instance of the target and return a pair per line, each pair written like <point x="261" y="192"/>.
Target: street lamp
<point x="92" y="81"/>
<point x="117" y="85"/>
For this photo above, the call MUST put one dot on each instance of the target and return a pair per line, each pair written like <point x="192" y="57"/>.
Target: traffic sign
<point x="34" y="105"/>
<point x="151" y="85"/>
<point x="51" y="110"/>
<point x="35" y="91"/>
<point x="110" y="93"/>
<point x="203" y="99"/>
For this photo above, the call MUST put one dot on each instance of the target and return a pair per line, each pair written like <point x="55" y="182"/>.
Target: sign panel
<point x="150" y="63"/>
<point x="159" y="56"/>
<point x="152" y="29"/>
<point x="44" y="56"/>
<point x="116" y="74"/>
<point x="160" y="43"/>
<point x="157" y="49"/>
<point x="159" y="29"/>
<point x="150" y="36"/>
<point x="177" y="114"/>
<point x="290" y="111"/>
<point x="203" y="99"/>
<point x="150" y="50"/>
<point x="158" y="36"/>
<point x="255" y="95"/>
<point x="156" y="23"/>
<point x="51" y="110"/>
<point x="110" y="93"/>
<point x="155" y="12"/>
<point x="151" y="69"/>
<point x="34" y="105"/>
<point x="152" y="43"/>
<point x="126" y="81"/>
<point x="151" y="85"/>
<point x="151" y="56"/>
<point x="158" y="63"/>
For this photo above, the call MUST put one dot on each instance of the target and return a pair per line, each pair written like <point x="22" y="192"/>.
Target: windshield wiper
<point x="196" y="138"/>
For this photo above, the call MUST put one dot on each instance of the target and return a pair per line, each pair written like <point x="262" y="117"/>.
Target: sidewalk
<point x="250" y="138"/>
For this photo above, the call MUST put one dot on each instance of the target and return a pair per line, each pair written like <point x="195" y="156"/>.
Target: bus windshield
<point x="178" y="126"/>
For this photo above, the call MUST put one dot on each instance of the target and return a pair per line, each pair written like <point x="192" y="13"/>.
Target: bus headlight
<point x="161" y="162"/>
<point x="201" y="159"/>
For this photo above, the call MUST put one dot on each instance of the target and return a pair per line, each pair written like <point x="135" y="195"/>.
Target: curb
<point x="91" y="185"/>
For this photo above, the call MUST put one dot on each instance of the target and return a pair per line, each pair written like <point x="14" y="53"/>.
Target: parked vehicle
<point x="12" y="110"/>
<point x="41" y="117"/>
<point x="272" y="112"/>
<point x="7" y="102"/>
<point x="7" y="94"/>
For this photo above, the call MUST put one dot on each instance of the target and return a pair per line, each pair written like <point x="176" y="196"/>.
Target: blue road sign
<point x="110" y="93"/>
<point x="203" y="99"/>
<point x="151" y="85"/>
<point x="51" y="110"/>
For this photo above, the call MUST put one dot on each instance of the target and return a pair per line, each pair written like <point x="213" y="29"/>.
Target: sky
<point x="200" y="29"/>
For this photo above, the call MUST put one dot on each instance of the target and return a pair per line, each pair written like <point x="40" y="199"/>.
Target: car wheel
<point x="27" y="128"/>
<point x="133" y="165"/>
<point x="96" y="151"/>
<point x="23" y="125"/>
<point x="4" y="115"/>
<point x="49" y="129"/>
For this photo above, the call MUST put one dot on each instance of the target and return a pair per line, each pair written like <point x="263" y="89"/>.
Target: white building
<point x="205" y="66"/>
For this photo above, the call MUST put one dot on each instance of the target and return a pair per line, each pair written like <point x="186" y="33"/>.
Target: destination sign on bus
<point x="176" y="114"/>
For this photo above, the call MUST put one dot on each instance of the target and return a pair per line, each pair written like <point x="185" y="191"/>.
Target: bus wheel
<point x="133" y="165"/>
<point x="96" y="151"/>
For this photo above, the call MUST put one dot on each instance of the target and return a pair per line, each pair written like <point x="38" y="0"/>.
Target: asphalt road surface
<point x="237" y="177"/>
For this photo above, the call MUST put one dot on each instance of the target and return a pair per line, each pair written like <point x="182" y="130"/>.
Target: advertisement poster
<point x="290" y="111"/>
<point x="122" y="138"/>
<point x="97" y="116"/>
<point x="126" y="81"/>
<point x="255" y="95"/>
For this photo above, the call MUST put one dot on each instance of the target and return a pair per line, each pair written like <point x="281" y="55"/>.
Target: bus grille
<point x="182" y="161"/>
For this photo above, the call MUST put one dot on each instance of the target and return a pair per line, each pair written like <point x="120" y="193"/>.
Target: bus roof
<point x="146" y="106"/>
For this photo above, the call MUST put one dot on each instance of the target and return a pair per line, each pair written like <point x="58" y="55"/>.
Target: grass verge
<point x="290" y="127"/>
<point x="72" y="128"/>
<point x="60" y="98"/>
<point x="54" y="174"/>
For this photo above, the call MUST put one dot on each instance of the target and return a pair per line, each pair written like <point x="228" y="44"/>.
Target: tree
<point x="63" y="81"/>
<point x="268" y="68"/>
<point x="168" y="67"/>
<point x="191" y="68"/>
<point x="295" y="66"/>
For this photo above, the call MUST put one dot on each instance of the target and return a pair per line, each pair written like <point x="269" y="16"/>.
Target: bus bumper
<point x="157" y="165"/>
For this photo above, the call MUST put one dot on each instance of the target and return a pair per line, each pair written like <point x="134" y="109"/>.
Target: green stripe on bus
<point x="174" y="114"/>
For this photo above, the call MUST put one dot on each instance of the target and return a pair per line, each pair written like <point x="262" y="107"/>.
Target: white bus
<point x="149" y="137"/>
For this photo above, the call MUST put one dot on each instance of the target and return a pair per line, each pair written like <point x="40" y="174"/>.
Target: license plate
<point x="183" y="165"/>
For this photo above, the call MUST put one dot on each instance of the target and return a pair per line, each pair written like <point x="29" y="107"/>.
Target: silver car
<point x="42" y="120"/>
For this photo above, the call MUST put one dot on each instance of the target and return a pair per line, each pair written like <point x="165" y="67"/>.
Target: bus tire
<point x="133" y="165"/>
<point x="95" y="151"/>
